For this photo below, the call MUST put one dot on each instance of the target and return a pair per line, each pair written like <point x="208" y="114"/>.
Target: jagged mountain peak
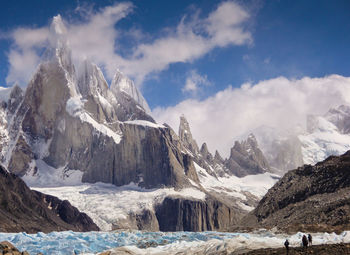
<point x="218" y="157"/>
<point x="340" y="117"/>
<point x="186" y="135"/>
<point x="122" y="84"/>
<point x="91" y="80"/>
<point x="251" y="140"/>
<point x="204" y="149"/>
<point x="57" y="26"/>
<point x="246" y="158"/>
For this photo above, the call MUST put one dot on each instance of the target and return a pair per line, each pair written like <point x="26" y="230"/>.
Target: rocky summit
<point x="25" y="210"/>
<point x="310" y="198"/>
<point x="73" y="123"/>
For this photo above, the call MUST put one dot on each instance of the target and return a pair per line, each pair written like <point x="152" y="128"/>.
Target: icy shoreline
<point x="137" y="242"/>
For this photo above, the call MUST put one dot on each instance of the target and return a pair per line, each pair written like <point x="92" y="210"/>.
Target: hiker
<point x="286" y="244"/>
<point x="304" y="241"/>
<point x="309" y="238"/>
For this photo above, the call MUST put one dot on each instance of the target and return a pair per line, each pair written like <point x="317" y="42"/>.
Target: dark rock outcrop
<point x="7" y="248"/>
<point x="313" y="198"/>
<point x="22" y="209"/>
<point x="145" y="220"/>
<point x="181" y="214"/>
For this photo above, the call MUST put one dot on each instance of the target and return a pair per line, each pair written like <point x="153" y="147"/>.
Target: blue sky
<point x="289" y="38"/>
<point x="191" y="56"/>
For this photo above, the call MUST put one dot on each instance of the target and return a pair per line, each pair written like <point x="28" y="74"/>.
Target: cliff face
<point x="22" y="209"/>
<point x="310" y="198"/>
<point x="179" y="214"/>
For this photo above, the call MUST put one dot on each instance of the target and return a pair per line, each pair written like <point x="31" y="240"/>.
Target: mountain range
<point x="69" y="127"/>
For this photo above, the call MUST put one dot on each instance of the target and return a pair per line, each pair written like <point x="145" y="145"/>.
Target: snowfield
<point x="158" y="243"/>
<point x="107" y="203"/>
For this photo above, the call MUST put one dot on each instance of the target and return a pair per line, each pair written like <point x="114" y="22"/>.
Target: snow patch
<point x="324" y="141"/>
<point x="43" y="175"/>
<point x="74" y="107"/>
<point x="144" y="123"/>
<point x="234" y="186"/>
<point x="5" y="94"/>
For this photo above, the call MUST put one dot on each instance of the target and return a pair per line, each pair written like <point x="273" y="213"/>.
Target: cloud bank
<point x="280" y="103"/>
<point x="97" y="36"/>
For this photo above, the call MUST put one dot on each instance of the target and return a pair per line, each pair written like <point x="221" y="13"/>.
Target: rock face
<point x="246" y="158"/>
<point x="310" y="198"/>
<point x="132" y="105"/>
<point x="179" y="214"/>
<point x="22" y="209"/>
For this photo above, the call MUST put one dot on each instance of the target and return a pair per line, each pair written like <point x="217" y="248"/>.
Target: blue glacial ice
<point x="69" y="242"/>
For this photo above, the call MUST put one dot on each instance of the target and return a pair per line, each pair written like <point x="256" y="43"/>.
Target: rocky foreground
<point x="325" y="249"/>
<point x="310" y="198"/>
<point x="25" y="210"/>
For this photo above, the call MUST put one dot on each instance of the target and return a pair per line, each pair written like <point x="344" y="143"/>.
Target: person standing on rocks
<point x="286" y="244"/>
<point x="304" y="241"/>
<point x="309" y="238"/>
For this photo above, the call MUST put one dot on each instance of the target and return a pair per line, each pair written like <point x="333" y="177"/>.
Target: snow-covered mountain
<point x="325" y="135"/>
<point x="70" y="127"/>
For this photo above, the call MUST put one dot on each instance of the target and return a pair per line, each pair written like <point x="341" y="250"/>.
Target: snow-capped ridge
<point x="91" y="79"/>
<point x="122" y="84"/>
<point x="327" y="135"/>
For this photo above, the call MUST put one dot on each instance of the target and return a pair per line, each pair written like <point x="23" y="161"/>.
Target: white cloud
<point x="194" y="82"/>
<point x="279" y="103"/>
<point x="94" y="38"/>
<point x="97" y="38"/>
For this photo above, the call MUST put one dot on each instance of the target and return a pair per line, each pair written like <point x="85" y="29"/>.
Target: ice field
<point x="137" y="242"/>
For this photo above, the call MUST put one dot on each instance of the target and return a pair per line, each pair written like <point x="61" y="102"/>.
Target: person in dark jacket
<point x="286" y="244"/>
<point x="304" y="241"/>
<point x="309" y="238"/>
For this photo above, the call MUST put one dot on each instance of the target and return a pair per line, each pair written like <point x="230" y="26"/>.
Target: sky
<point x="229" y="66"/>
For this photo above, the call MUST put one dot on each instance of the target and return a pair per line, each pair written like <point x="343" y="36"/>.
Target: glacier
<point x="138" y="242"/>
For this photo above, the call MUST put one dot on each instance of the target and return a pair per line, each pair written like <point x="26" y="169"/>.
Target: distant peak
<point x="252" y="140"/>
<point x="183" y="119"/>
<point x="185" y="135"/>
<point x="218" y="156"/>
<point x="122" y="84"/>
<point x="57" y="25"/>
<point x="204" y="149"/>
<point x="58" y="31"/>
